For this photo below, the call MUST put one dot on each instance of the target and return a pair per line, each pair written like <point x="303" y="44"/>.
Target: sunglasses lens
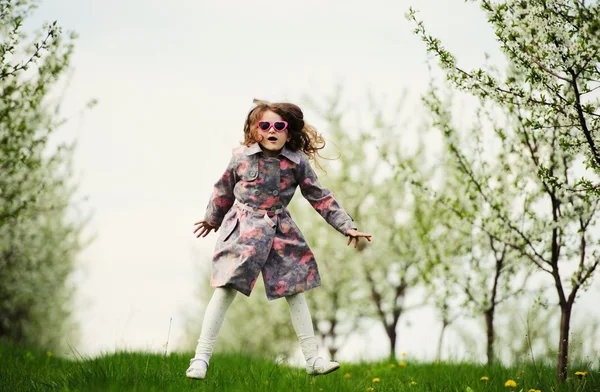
<point x="264" y="125"/>
<point x="279" y="125"/>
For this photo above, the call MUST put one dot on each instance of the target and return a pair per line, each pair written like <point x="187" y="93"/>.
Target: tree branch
<point x="583" y="123"/>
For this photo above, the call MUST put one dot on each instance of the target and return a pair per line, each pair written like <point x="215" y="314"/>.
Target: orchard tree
<point x="467" y="270"/>
<point x="549" y="227"/>
<point x="554" y="45"/>
<point x="552" y="50"/>
<point x="393" y="268"/>
<point x="374" y="282"/>
<point x="40" y="225"/>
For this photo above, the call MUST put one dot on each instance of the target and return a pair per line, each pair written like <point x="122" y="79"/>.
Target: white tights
<point x="215" y="313"/>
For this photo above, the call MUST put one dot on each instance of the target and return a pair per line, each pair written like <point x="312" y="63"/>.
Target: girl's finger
<point x="349" y="240"/>
<point x="356" y="243"/>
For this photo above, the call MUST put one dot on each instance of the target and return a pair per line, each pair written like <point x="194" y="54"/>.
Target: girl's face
<point x="272" y="140"/>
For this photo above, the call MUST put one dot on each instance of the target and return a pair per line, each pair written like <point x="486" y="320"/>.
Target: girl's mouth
<point x="272" y="138"/>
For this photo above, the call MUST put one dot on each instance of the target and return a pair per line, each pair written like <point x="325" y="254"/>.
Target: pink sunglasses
<point x="279" y="126"/>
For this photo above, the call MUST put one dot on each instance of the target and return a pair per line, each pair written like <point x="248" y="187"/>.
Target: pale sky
<point x="175" y="81"/>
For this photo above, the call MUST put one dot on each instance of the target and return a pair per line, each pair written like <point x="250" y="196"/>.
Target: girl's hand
<point x="204" y="228"/>
<point x="353" y="234"/>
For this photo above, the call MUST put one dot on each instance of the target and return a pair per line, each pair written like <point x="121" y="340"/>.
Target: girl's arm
<point x="322" y="199"/>
<point x="222" y="197"/>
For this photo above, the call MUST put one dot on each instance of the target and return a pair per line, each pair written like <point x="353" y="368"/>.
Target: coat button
<point x="252" y="173"/>
<point x="257" y="192"/>
<point x="275" y="192"/>
<point x="273" y="208"/>
<point x="255" y="208"/>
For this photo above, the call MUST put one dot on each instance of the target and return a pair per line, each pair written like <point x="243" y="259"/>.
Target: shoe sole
<point x="194" y="377"/>
<point x="327" y="372"/>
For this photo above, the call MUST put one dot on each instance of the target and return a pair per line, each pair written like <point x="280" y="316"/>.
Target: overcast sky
<point x="175" y="81"/>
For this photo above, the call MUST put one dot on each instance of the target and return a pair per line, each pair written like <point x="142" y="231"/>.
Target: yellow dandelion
<point x="403" y="354"/>
<point x="484" y="378"/>
<point x="370" y="389"/>
<point x="320" y="389"/>
<point x="413" y="383"/>
<point x="347" y="375"/>
<point x="49" y="353"/>
<point x="581" y="374"/>
<point x="510" y="383"/>
<point x="376" y="380"/>
<point x="534" y="390"/>
<point x="402" y="364"/>
<point x="391" y="366"/>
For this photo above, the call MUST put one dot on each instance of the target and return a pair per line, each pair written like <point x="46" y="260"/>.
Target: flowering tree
<point x="552" y="48"/>
<point x="394" y="267"/>
<point x="554" y="228"/>
<point x="39" y="229"/>
<point x="554" y="45"/>
<point x="468" y="271"/>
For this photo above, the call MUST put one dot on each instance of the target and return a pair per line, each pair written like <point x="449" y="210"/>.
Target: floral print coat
<point x="249" y="242"/>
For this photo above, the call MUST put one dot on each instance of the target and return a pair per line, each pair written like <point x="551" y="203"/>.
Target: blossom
<point x="403" y="354"/>
<point x="391" y="365"/>
<point x="376" y="380"/>
<point x="50" y="353"/>
<point x="510" y="383"/>
<point x="484" y="378"/>
<point x="370" y="389"/>
<point x="347" y="375"/>
<point x="402" y="364"/>
<point x="581" y="374"/>
<point x="534" y="390"/>
<point x="413" y="383"/>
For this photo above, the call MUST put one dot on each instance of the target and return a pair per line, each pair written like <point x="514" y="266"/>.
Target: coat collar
<point x="293" y="156"/>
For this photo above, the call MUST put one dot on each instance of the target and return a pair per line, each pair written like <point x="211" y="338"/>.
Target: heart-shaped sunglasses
<point x="279" y="126"/>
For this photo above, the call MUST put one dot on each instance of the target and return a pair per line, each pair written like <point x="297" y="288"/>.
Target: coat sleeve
<point x="222" y="197"/>
<point x="322" y="199"/>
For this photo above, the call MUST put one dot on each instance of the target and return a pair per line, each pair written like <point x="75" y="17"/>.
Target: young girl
<point x="257" y="233"/>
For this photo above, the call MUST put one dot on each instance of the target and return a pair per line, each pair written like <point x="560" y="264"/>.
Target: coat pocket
<point x="228" y="229"/>
<point x="250" y="171"/>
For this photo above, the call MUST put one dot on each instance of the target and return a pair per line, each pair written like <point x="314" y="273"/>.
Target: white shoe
<point x="197" y="369"/>
<point x="325" y="368"/>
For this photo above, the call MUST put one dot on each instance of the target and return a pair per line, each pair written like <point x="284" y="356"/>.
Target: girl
<point x="257" y="233"/>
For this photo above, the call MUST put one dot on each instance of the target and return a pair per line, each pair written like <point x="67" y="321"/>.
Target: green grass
<point x="24" y="369"/>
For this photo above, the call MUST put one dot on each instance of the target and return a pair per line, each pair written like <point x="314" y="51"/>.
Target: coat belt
<point x="257" y="211"/>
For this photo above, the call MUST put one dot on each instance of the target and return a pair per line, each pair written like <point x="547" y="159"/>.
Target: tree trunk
<point x="489" y="324"/>
<point x="391" y="332"/>
<point x="563" y="346"/>
<point x="439" y="347"/>
<point x="333" y="351"/>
